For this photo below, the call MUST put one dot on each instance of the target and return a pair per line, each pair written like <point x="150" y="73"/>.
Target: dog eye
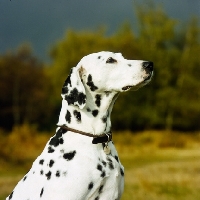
<point x="111" y="60"/>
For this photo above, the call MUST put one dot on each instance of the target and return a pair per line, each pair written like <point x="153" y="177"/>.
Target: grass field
<point x="158" y="165"/>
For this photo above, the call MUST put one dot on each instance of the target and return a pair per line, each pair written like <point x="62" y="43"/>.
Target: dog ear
<point x="73" y="90"/>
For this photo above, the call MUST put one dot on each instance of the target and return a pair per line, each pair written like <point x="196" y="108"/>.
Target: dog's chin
<point x="126" y="88"/>
<point x="131" y="88"/>
<point x="147" y="79"/>
<point x="138" y="86"/>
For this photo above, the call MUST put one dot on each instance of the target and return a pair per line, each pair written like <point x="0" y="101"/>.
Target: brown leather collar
<point x="104" y="138"/>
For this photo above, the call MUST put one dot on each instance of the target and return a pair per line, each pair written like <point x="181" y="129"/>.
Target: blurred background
<point x="156" y="129"/>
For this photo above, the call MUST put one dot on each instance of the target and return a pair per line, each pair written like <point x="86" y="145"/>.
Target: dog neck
<point x="94" y="118"/>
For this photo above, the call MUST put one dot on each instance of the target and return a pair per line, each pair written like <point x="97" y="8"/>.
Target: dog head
<point x="105" y="72"/>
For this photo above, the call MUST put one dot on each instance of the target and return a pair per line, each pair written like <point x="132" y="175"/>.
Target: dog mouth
<point x="148" y="77"/>
<point x="145" y="80"/>
<point x="127" y="87"/>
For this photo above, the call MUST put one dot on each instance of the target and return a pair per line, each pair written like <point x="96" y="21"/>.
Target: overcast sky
<point x="43" y="22"/>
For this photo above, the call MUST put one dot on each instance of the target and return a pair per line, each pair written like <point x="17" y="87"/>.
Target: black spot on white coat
<point x="57" y="138"/>
<point x="11" y="195"/>
<point x="69" y="156"/>
<point x="111" y="60"/>
<point x="95" y="113"/>
<point x="58" y="173"/>
<point x="100" y="189"/>
<point x="103" y="174"/>
<point x="67" y="82"/>
<point x="116" y="158"/>
<point x="61" y="141"/>
<point x="51" y="162"/>
<point x="88" y="110"/>
<point x="104" y="163"/>
<point x="121" y="171"/>
<point x="104" y="119"/>
<point x="50" y="149"/>
<point x="68" y="117"/>
<point x="41" y="161"/>
<point x="48" y="175"/>
<point x="75" y="96"/>
<point x="90" y="186"/>
<point x="98" y="100"/>
<point x="77" y="115"/>
<point x="41" y="193"/>
<point x="99" y="167"/>
<point x="91" y="84"/>
<point x="65" y="90"/>
<point x="110" y="164"/>
<point x="24" y="178"/>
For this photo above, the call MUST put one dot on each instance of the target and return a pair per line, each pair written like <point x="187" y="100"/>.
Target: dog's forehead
<point x="103" y="55"/>
<point x="106" y="54"/>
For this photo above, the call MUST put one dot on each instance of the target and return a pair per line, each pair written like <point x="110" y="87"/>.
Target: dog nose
<point x="147" y="66"/>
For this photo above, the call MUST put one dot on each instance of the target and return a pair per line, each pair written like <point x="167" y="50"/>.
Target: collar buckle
<point x="103" y="139"/>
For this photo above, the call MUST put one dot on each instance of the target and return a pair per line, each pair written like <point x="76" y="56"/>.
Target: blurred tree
<point x="186" y="109"/>
<point x="23" y="86"/>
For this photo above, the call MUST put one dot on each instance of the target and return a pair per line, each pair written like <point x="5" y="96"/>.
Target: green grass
<point x="173" y="176"/>
<point x="156" y="168"/>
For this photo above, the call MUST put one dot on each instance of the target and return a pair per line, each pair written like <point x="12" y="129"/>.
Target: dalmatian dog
<point x="80" y="161"/>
